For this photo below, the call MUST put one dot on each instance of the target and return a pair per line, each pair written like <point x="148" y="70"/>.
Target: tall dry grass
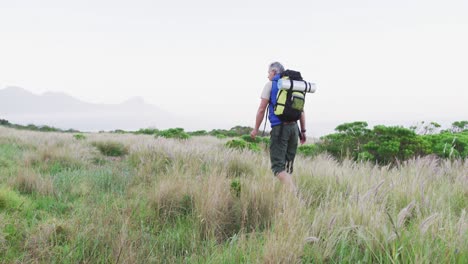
<point x="196" y="201"/>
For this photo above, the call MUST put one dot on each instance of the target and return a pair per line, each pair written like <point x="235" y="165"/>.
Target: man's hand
<point x="254" y="133"/>
<point x="303" y="138"/>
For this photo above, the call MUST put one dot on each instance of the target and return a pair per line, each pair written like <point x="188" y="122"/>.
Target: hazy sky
<point x="390" y="62"/>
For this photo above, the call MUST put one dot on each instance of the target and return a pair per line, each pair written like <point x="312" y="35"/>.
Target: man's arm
<point x="259" y="118"/>
<point x="303" y="128"/>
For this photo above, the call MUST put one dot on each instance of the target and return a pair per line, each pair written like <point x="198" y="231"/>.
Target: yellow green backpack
<point x="289" y="103"/>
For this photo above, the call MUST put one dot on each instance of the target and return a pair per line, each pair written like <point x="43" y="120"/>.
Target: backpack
<point x="289" y="103"/>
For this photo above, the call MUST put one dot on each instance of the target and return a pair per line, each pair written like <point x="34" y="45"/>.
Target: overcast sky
<point x="389" y="62"/>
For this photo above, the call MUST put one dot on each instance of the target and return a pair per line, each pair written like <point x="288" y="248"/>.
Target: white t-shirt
<point x="266" y="91"/>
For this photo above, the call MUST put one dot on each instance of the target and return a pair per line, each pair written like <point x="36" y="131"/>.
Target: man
<point x="284" y="135"/>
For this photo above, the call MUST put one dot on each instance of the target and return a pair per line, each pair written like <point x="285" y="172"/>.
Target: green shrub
<point x="448" y="145"/>
<point x="381" y="144"/>
<point x="257" y="140"/>
<point x="79" y="136"/>
<point x="389" y="144"/>
<point x="147" y="131"/>
<point x="236" y="187"/>
<point x="48" y="129"/>
<point x="226" y="133"/>
<point x="4" y="122"/>
<point x="308" y="150"/>
<point x="265" y="140"/>
<point x="365" y="156"/>
<point x="177" y="133"/>
<point x="250" y="139"/>
<point x="198" y="133"/>
<point x="111" y="148"/>
<point x="237" y="144"/>
<point x="9" y="199"/>
<point x="348" y="141"/>
<point x="241" y="130"/>
<point x="242" y="144"/>
<point x="460" y="126"/>
<point x="253" y="147"/>
<point x="233" y="132"/>
<point x="71" y="130"/>
<point x="119" y="131"/>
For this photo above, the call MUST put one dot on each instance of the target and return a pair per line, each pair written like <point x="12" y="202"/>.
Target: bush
<point x="309" y="150"/>
<point x="250" y="139"/>
<point x="236" y="187"/>
<point x="460" y="126"/>
<point x="233" y="132"/>
<point x="111" y="148"/>
<point x="147" y="131"/>
<point x="4" y="122"/>
<point x="389" y="144"/>
<point x="198" y="133"/>
<point x="9" y="199"/>
<point x="177" y="133"/>
<point x="71" y="130"/>
<point x="119" y="131"/>
<point x="237" y="144"/>
<point x="79" y="136"/>
<point x="48" y="129"/>
<point x="242" y="144"/>
<point x="265" y="140"/>
<point x="348" y="141"/>
<point x="449" y="145"/>
<point x="222" y="133"/>
<point x="256" y="144"/>
<point x="381" y="144"/>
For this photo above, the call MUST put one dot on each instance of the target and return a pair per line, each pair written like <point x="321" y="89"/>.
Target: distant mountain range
<point x="64" y="111"/>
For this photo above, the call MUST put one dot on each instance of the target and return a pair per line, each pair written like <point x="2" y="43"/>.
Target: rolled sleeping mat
<point x="301" y="86"/>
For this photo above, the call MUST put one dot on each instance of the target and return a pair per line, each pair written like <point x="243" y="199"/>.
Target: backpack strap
<point x="266" y="119"/>
<point x="300" y="133"/>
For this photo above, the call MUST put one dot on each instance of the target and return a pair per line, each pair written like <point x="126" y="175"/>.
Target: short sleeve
<point x="266" y="91"/>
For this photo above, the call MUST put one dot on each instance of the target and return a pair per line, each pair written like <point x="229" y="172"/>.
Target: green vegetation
<point x="310" y="150"/>
<point x="241" y="144"/>
<point x="233" y="132"/>
<point x="111" y="148"/>
<point x="177" y="133"/>
<point x="394" y="144"/>
<point x="32" y="127"/>
<point x="246" y="142"/>
<point x="381" y="144"/>
<point x="63" y="200"/>
<point x="198" y="133"/>
<point x="79" y="136"/>
<point x="448" y="144"/>
<point x="147" y="131"/>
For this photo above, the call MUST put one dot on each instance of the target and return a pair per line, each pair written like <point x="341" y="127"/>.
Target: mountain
<point x="64" y="111"/>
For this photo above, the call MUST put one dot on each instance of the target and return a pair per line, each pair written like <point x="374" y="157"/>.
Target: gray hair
<point x="277" y="67"/>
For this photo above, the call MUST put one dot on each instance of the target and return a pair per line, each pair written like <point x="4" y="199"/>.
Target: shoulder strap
<point x="266" y="120"/>
<point x="267" y="111"/>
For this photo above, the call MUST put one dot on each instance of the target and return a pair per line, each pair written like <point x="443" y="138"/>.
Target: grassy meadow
<point x="124" y="198"/>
